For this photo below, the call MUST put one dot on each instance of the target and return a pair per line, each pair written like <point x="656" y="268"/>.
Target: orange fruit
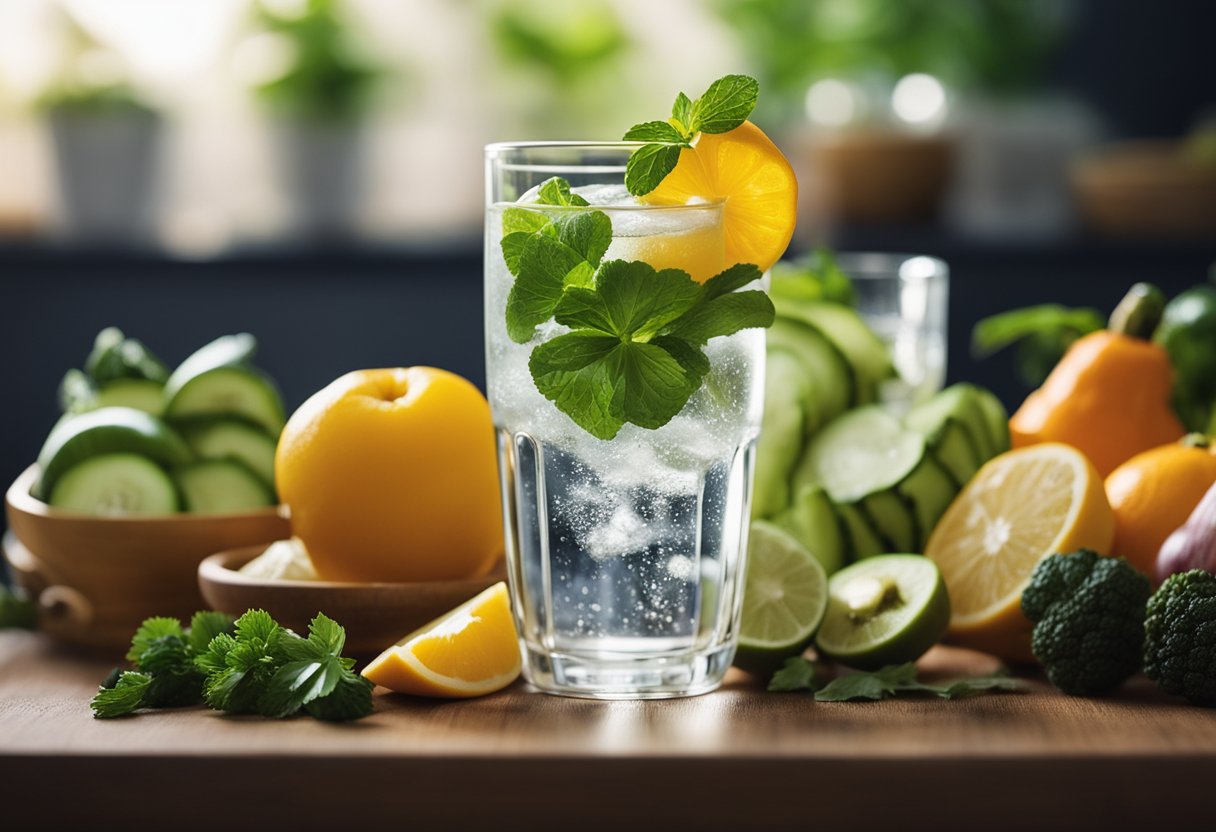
<point x="1019" y="508"/>
<point x="743" y="169"/>
<point x="391" y="475"/>
<point x="1154" y="493"/>
<point x="470" y="651"/>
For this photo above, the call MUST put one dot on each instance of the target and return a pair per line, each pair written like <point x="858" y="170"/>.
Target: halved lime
<point x="784" y="598"/>
<point x="884" y="610"/>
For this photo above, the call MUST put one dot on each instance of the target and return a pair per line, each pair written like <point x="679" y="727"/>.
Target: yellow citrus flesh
<point x="470" y="651"/>
<point x="700" y="250"/>
<point x="1021" y="507"/>
<point x="744" y="170"/>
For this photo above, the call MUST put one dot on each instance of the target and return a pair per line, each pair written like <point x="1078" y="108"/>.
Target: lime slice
<point x="884" y="610"/>
<point x="784" y="597"/>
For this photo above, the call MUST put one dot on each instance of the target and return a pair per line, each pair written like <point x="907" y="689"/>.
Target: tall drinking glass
<point x="625" y="556"/>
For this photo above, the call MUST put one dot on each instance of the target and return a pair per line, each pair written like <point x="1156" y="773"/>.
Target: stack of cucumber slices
<point x="138" y="440"/>
<point x="842" y="475"/>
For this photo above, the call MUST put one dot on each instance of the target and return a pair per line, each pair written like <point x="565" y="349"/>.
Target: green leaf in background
<point x="17" y="612"/>
<point x="818" y="277"/>
<point x="726" y="104"/>
<point x="1042" y="335"/>
<point x="896" y="679"/>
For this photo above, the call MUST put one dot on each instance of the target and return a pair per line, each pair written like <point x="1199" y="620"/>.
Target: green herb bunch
<point x="248" y="665"/>
<point x="635" y="349"/>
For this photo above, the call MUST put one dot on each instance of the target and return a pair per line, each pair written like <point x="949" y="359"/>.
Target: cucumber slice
<point x="930" y="489"/>
<point x="234" y="440"/>
<point x="109" y="430"/>
<point x="221" y="486"/>
<point x="830" y="391"/>
<point x="115" y="485"/>
<point x="868" y="356"/>
<point x="780" y="443"/>
<point x="226" y="351"/>
<point x="941" y="420"/>
<point x="227" y="391"/>
<point x="863" y="540"/>
<point x="865" y="451"/>
<point x="996" y="419"/>
<point x="893" y="519"/>
<point x="961" y="402"/>
<point x="141" y="394"/>
<point x="812" y="521"/>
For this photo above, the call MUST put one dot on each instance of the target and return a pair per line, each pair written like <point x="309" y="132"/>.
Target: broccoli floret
<point x="1180" y="636"/>
<point x="1089" y="620"/>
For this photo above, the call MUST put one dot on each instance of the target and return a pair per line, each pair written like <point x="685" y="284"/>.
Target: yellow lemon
<point x="470" y="651"/>
<point x="743" y="169"/>
<point x="1021" y="507"/>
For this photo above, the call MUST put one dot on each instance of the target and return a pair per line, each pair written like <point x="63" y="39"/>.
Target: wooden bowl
<point x="1148" y="188"/>
<point x="375" y="615"/>
<point x="97" y="578"/>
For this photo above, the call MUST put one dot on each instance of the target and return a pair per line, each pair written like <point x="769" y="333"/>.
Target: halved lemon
<point x="1021" y="507"/>
<point x="470" y="651"/>
<point x="747" y="172"/>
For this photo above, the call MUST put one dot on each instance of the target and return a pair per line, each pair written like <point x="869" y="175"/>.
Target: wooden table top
<point x="739" y="758"/>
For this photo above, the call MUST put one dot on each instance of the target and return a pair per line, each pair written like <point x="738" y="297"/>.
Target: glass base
<point x="652" y="677"/>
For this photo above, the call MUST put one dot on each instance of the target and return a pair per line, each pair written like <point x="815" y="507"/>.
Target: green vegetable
<point x="116" y="357"/>
<point x="1180" y="636"/>
<point x="1188" y="333"/>
<point x="17" y="612"/>
<point x="1089" y="620"/>
<point x="634" y="352"/>
<point x="724" y="106"/>
<point x="1042" y="335"/>
<point x="801" y="674"/>
<point x="815" y="278"/>
<point x="247" y="666"/>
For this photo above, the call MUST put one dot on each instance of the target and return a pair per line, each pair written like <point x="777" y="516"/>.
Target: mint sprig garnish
<point x="893" y="680"/>
<point x="724" y="106"/>
<point x="634" y="352"/>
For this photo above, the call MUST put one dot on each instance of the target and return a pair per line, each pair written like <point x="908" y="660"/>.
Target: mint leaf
<point x="543" y="264"/>
<point x="662" y="132"/>
<point x="570" y="370"/>
<point x="125" y="697"/>
<point x="854" y="686"/>
<point x="720" y="310"/>
<point x="968" y="687"/>
<point x="681" y="113"/>
<point x="523" y="221"/>
<point x="654" y="385"/>
<point x="587" y="233"/>
<point x="796" y="674"/>
<point x="556" y="191"/>
<point x="895" y="679"/>
<point x="648" y="166"/>
<point x="512" y="248"/>
<point x="726" y="104"/>
<point x="630" y="298"/>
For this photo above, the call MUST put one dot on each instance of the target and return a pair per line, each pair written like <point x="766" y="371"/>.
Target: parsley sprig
<point x="801" y="674"/>
<point x="724" y="106"/>
<point x="248" y="665"/>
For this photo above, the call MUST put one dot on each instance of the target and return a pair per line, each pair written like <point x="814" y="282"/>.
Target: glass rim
<point x="498" y="147"/>
<point x="891" y="265"/>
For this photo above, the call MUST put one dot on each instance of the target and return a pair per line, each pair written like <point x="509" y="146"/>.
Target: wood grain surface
<point x="736" y="759"/>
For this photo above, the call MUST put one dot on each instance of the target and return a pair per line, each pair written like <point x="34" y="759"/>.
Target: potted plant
<point x="317" y="101"/>
<point x="107" y="144"/>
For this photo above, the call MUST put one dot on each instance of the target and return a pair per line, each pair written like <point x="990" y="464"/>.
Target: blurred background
<point x="311" y="170"/>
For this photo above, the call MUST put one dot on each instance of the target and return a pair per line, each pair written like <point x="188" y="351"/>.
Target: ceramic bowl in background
<point x="374" y="615"/>
<point x="96" y="578"/>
